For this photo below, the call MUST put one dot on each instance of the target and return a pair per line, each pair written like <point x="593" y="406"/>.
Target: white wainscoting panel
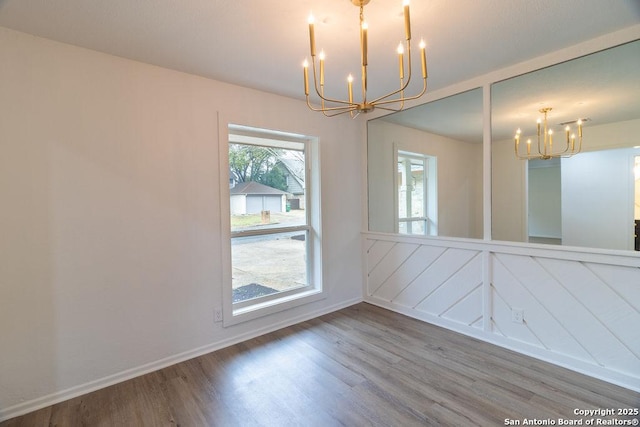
<point x="580" y="309"/>
<point x="440" y="281"/>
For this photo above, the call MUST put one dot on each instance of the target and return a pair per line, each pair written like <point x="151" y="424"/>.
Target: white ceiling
<point x="261" y="43"/>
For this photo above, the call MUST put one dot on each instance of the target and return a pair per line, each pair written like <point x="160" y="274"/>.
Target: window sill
<point x="275" y="305"/>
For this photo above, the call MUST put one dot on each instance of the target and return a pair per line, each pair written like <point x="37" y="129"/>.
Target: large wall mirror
<point x="425" y="169"/>
<point x="591" y="199"/>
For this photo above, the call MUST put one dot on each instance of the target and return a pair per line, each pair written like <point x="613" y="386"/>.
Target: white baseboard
<point x="618" y="378"/>
<point x="60" y="396"/>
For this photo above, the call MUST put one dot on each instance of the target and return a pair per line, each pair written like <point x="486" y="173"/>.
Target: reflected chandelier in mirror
<point x="586" y="200"/>
<point x="545" y="150"/>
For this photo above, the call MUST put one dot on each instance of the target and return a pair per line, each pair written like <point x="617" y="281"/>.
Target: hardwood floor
<point x="359" y="366"/>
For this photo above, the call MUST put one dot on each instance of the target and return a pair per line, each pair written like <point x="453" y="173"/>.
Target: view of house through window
<point x="270" y="231"/>
<point x="416" y="194"/>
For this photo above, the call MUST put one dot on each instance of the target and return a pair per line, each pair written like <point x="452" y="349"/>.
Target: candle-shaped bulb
<point x="423" y="58"/>
<point x="407" y="20"/>
<point x="528" y="147"/>
<point x="401" y="60"/>
<point x="321" y="56"/>
<point x="312" y="36"/>
<point x="365" y="27"/>
<point x="305" y="66"/>
<point x="580" y="129"/>
<point x="350" y="87"/>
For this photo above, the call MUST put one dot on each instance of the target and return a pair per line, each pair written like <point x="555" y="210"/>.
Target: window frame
<point x="313" y="291"/>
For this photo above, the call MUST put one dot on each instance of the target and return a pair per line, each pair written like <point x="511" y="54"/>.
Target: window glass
<point x="415" y="200"/>
<point x="268" y="217"/>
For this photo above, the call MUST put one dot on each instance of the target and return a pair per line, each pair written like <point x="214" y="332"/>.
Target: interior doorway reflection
<point x="545" y="201"/>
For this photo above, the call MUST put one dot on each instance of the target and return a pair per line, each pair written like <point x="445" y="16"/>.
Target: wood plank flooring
<point x="360" y="366"/>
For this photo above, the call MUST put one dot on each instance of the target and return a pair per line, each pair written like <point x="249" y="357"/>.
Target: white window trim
<point x="284" y="300"/>
<point x="430" y="185"/>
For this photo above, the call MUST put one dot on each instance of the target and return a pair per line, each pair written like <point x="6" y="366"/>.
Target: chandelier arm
<point x="321" y="95"/>
<point x="539" y="149"/>
<point x="566" y="150"/>
<point x="338" y="109"/>
<point x="560" y="153"/>
<point x="390" y="101"/>
<point x="395" y="110"/>
<point x="342" y="109"/>
<point x="379" y="100"/>
<point x="566" y="153"/>
<point x="338" y="113"/>
<point x="557" y="153"/>
<point x="527" y="157"/>
<point x="406" y="83"/>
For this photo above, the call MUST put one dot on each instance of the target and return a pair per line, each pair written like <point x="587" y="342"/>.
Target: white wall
<point x="545" y="213"/>
<point x="508" y="195"/>
<point x="598" y="199"/>
<point x="459" y="166"/>
<point x="110" y="222"/>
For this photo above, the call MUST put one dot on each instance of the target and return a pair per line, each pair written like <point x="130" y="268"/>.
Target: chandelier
<point x="333" y="107"/>
<point x="545" y="148"/>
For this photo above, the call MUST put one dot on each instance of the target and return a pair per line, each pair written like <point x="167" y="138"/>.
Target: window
<point x="416" y="200"/>
<point x="273" y="222"/>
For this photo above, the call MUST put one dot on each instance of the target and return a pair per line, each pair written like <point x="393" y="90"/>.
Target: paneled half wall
<point x="574" y="308"/>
